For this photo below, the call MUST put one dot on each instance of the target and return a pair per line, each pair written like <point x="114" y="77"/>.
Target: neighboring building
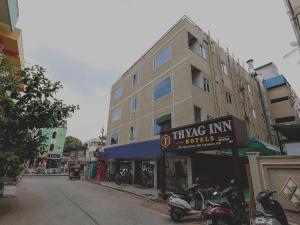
<point x="267" y="71"/>
<point x="11" y="43"/>
<point x="54" y="144"/>
<point x="94" y="145"/>
<point x="184" y="78"/>
<point x="283" y="101"/>
<point x="293" y="10"/>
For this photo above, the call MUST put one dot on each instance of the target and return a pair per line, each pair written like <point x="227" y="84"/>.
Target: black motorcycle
<point x="147" y="178"/>
<point x="226" y="208"/>
<point x="123" y="177"/>
<point x="272" y="213"/>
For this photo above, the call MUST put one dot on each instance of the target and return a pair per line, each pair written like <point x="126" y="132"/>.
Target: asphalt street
<point x="59" y="201"/>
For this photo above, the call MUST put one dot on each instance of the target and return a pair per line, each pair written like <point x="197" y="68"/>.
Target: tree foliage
<point x="24" y="112"/>
<point x="73" y="144"/>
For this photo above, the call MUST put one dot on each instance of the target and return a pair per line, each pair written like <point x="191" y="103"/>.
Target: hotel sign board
<point x="219" y="133"/>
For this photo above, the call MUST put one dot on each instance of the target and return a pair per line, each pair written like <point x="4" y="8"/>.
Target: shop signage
<point x="219" y="133"/>
<point x="54" y="156"/>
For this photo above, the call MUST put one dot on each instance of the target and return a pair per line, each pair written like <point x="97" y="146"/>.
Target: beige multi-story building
<point x="184" y="78"/>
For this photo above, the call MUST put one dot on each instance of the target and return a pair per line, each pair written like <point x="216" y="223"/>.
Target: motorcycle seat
<point x="261" y="214"/>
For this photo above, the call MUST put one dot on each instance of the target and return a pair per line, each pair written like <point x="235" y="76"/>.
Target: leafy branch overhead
<point x="27" y="103"/>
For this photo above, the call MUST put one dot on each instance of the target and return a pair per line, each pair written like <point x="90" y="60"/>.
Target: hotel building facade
<point x="184" y="78"/>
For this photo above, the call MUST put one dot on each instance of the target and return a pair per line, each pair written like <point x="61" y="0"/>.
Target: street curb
<point x="126" y="191"/>
<point x="44" y="175"/>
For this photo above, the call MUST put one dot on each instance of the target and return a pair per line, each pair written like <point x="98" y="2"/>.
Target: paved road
<point x="58" y="201"/>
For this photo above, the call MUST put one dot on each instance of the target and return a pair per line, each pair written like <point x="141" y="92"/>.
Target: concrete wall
<point x="275" y="173"/>
<point x="268" y="71"/>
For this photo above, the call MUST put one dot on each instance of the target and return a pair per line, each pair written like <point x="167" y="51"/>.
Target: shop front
<point x="140" y="159"/>
<point x="199" y="145"/>
<point x="212" y="153"/>
<point x="53" y="160"/>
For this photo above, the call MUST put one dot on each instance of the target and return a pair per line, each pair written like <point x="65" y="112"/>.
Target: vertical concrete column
<point x="133" y="170"/>
<point x="255" y="173"/>
<point x="189" y="171"/>
<point x="155" y="174"/>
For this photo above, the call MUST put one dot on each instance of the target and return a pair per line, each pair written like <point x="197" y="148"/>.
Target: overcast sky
<point x="88" y="44"/>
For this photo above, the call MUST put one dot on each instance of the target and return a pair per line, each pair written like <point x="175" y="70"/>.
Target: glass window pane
<point x="132" y="133"/>
<point x="203" y="52"/>
<point x="197" y="114"/>
<point x="162" y="57"/>
<point x="164" y="122"/>
<point x="114" y="138"/>
<point x="135" y="79"/>
<point x="116" y="115"/>
<point x="118" y="92"/>
<point x="133" y="104"/>
<point x="163" y="88"/>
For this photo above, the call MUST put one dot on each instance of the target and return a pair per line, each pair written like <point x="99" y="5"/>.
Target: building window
<point x="197" y="77"/>
<point x="253" y="113"/>
<point x="54" y="135"/>
<point x="228" y="98"/>
<point x="116" y="115"/>
<point x="162" y="123"/>
<point x="135" y="79"/>
<point x="162" y="57"/>
<point x="51" y="147"/>
<point x="205" y="85"/>
<point x="118" y="92"/>
<point x="197" y="114"/>
<point x="279" y="99"/>
<point x="114" y="138"/>
<point x="224" y="68"/>
<point x="134" y="104"/>
<point x="285" y="119"/>
<point x="202" y="52"/>
<point x="195" y="46"/>
<point x="163" y="88"/>
<point x="132" y="136"/>
<point x="249" y="88"/>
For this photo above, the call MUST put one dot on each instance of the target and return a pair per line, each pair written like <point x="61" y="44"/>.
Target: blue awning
<point x="274" y="81"/>
<point x="146" y="149"/>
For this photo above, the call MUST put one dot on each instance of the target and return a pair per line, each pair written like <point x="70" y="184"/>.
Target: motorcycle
<point x="124" y="176"/>
<point x="227" y="209"/>
<point x="147" y="178"/>
<point x="272" y="213"/>
<point x="191" y="202"/>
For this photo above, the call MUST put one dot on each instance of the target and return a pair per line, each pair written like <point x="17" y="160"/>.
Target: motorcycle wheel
<point x="176" y="214"/>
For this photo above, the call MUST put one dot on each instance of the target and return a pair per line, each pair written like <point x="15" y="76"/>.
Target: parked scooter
<point x="191" y="202"/>
<point x="124" y="176"/>
<point x="272" y="213"/>
<point x="228" y="209"/>
<point x="147" y="178"/>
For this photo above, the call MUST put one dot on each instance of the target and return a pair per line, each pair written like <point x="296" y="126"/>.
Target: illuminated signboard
<point x="219" y="133"/>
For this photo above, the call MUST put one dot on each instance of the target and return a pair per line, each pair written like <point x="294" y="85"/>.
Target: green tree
<point x="73" y="144"/>
<point x="24" y="112"/>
